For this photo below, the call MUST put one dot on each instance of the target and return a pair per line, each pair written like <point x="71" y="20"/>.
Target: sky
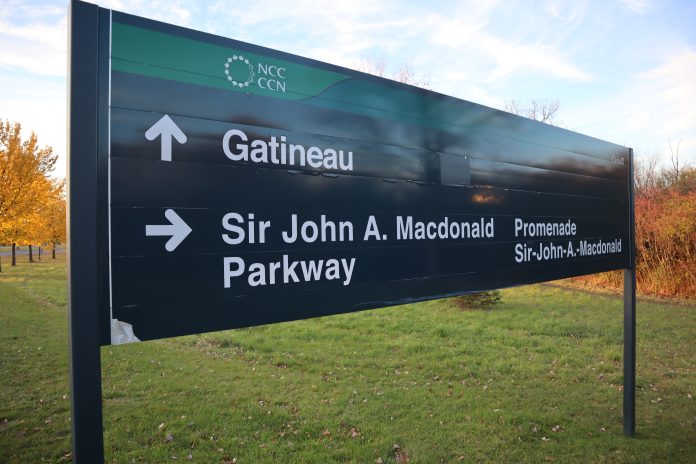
<point x="623" y="70"/>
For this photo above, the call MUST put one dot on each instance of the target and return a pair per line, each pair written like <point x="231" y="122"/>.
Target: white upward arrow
<point x="166" y="128"/>
<point x="178" y="229"/>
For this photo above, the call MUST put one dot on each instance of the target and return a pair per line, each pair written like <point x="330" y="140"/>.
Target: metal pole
<point x="85" y="362"/>
<point x="629" y="390"/>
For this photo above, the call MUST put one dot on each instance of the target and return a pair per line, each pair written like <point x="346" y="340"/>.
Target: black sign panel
<point x="241" y="186"/>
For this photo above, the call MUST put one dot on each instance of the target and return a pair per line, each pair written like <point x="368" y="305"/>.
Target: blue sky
<point x="623" y="70"/>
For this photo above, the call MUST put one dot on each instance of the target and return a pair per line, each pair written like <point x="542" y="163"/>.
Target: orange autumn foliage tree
<point x="54" y="230"/>
<point x="25" y="186"/>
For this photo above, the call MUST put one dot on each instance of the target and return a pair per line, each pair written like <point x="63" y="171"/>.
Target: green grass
<point x="536" y="379"/>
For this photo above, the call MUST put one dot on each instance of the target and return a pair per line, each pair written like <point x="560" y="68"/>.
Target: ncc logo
<point x="242" y="72"/>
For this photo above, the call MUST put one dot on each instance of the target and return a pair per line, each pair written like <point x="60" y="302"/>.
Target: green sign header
<point x="164" y="56"/>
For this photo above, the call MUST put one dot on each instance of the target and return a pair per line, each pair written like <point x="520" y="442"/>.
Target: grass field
<point x="536" y="379"/>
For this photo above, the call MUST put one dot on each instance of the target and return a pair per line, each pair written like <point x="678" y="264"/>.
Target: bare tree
<point x="646" y="176"/>
<point x="540" y="110"/>
<point x="652" y="175"/>
<point x="675" y="172"/>
<point x="373" y="66"/>
<point x="405" y="73"/>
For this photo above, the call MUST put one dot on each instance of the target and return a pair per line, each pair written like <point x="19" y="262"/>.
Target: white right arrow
<point x="166" y="128"/>
<point x="178" y="230"/>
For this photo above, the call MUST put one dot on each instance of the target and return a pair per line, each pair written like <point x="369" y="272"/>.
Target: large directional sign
<point x="239" y="186"/>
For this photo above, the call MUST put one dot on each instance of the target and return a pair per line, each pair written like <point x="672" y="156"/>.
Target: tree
<point x="646" y="175"/>
<point x="25" y="185"/>
<point x="404" y="73"/>
<point x="687" y="180"/>
<point x="55" y="231"/>
<point x="651" y="177"/>
<point x="539" y="110"/>
<point x="675" y="172"/>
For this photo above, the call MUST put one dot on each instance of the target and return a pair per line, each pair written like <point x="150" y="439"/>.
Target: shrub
<point x="480" y="300"/>
<point x="665" y="246"/>
<point x="666" y="243"/>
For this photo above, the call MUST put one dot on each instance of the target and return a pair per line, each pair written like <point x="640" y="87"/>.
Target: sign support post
<point x="629" y="389"/>
<point x="83" y="120"/>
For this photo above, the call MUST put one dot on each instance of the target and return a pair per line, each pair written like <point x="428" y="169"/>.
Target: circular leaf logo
<point x="239" y="71"/>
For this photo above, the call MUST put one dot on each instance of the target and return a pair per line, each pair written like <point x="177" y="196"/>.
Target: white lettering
<point x="371" y="229"/>
<point x="243" y="154"/>
<point x="544" y="229"/>
<point x="408" y="229"/>
<point x="239" y="238"/>
<point x="260" y="274"/>
<point x="274" y="151"/>
<point x="229" y="273"/>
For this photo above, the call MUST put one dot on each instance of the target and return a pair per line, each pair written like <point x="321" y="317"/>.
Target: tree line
<point x="32" y="203"/>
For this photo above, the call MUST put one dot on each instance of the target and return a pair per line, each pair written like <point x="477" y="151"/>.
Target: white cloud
<point x="39" y="104"/>
<point x="654" y="105"/>
<point x="540" y="58"/>
<point x="35" y="47"/>
<point x="179" y="12"/>
<point x="673" y="86"/>
<point x="469" y="35"/>
<point x="636" y="6"/>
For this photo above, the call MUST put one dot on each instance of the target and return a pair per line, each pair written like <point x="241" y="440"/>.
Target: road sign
<point x="248" y="186"/>
<point x="216" y="184"/>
